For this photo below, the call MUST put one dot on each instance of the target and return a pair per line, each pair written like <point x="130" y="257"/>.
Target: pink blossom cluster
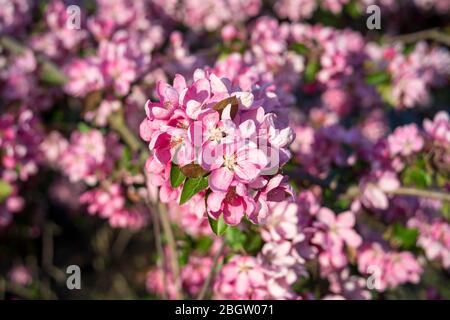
<point x="318" y="156"/>
<point x="193" y="275"/>
<point x="390" y="268"/>
<point x="20" y="135"/>
<point x="390" y="157"/>
<point x="87" y="156"/>
<point x="297" y="10"/>
<point x="209" y="15"/>
<point x="20" y="77"/>
<point x="110" y="203"/>
<point x="192" y="216"/>
<point x="414" y="74"/>
<point x="14" y="17"/>
<point x="241" y="278"/>
<point x="215" y="129"/>
<point x="434" y="238"/>
<point x="125" y="38"/>
<point x="59" y="40"/>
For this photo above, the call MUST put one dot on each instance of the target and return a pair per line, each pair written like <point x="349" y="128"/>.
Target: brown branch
<point x="117" y="123"/>
<point x="173" y="255"/>
<point x="431" y="34"/>
<point x="211" y="275"/>
<point x="161" y="262"/>
<point x="434" y="194"/>
<point x="47" y="67"/>
<point x="121" y="243"/>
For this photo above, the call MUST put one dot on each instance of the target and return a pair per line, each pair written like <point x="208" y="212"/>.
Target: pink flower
<point x="340" y="228"/>
<point x="109" y="203"/>
<point x="229" y="133"/>
<point x="231" y="162"/>
<point x="282" y="222"/>
<point x="405" y="141"/>
<point x="195" y="273"/>
<point x="349" y="286"/>
<point x="439" y="128"/>
<point x="234" y="204"/>
<point x="277" y="189"/>
<point x="389" y="269"/>
<point x="241" y="278"/>
<point x="375" y="187"/>
<point x="21" y="275"/>
<point x="434" y="238"/>
<point x="84" y="77"/>
<point x="155" y="283"/>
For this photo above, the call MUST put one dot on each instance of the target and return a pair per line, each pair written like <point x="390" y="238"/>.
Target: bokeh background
<point x="369" y="109"/>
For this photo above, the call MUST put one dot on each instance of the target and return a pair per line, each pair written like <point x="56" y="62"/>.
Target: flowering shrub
<point x="239" y="149"/>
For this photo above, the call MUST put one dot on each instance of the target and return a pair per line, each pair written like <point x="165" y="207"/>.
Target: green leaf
<point x="385" y="90"/>
<point x="378" y="77"/>
<point x="353" y="9"/>
<point x="300" y="48"/>
<point x="235" y="238"/>
<point x="5" y="190"/>
<point x="342" y="204"/>
<point x="253" y="244"/>
<point x="126" y="155"/>
<point x="204" y="244"/>
<point x="403" y="237"/>
<point x="176" y="176"/>
<point x="183" y="255"/>
<point x="191" y="187"/>
<point x="83" y="127"/>
<point x="50" y="74"/>
<point x="218" y="226"/>
<point x="415" y="176"/>
<point x="311" y="70"/>
<point x="446" y="210"/>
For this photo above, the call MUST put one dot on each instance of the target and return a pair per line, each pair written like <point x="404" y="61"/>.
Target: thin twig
<point x="161" y="262"/>
<point x="173" y="255"/>
<point x="211" y="275"/>
<point x="117" y="123"/>
<point x="121" y="242"/>
<point x="404" y="191"/>
<point x="434" y="194"/>
<point x="430" y="34"/>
